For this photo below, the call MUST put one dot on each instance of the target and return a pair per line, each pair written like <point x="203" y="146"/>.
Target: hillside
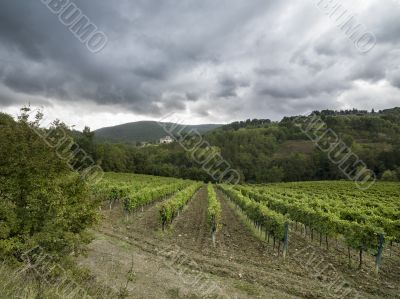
<point x="260" y="150"/>
<point x="144" y="131"/>
<point x="266" y="151"/>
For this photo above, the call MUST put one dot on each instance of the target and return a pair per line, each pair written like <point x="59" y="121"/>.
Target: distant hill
<point x="144" y="131"/>
<point x="260" y="150"/>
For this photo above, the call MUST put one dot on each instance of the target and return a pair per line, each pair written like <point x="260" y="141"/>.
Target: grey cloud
<point x="173" y="102"/>
<point x="261" y="57"/>
<point x="268" y="72"/>
<point x="156" y="72"/>
<point x="192" y="96"/>
<point x="394" y="77"/>
<point x="228" y="86"/>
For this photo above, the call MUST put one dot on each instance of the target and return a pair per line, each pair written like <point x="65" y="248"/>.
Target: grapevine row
<point x="150" y="194"/>
<point x="170" y="208"/>
<point x="360" y="236"/>
<point x="272" y="222"/>
<point x="136" y="191"/>
<point x="213" y="211"/>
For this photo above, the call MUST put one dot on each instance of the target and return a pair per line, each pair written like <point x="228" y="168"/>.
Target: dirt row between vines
<point x="241" y="265"/>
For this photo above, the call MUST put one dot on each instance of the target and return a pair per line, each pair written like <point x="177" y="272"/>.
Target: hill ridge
<point x="145" y="131"/>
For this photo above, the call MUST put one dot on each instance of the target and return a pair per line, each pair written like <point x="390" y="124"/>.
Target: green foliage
<point x="42" y="201"/>
<point x="169" y="209"/>
<point x="335" y="208"/>
<point x="136" y="191"/>
<point x="214" y="209"/>
<point x="273" y="222"/>
<point x="151" y="193"/>
<point x="260" y="150"/>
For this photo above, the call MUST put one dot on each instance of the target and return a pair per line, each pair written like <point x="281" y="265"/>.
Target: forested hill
<point x="144" y="131"/>
<point x="265" y="151"/>
<point x="268" y="151"/>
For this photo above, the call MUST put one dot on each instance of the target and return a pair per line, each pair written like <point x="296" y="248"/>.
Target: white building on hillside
<point x="166" y="140"/>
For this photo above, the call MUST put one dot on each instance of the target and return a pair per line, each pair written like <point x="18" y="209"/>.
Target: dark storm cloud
<point x="44" y="58"/>
<point x="238" y="58"/>
<point x="228" y="86"/>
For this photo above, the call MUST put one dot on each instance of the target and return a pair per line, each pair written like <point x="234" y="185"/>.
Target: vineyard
<point x="263" y="226"/>
<point x="364" y="219"/>
<point x="136" y="191"/>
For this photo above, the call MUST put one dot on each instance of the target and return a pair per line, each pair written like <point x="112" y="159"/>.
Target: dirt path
<point x="190" y="229"/>
<point x="146" y="220"/>
<point x="235" y="239"/>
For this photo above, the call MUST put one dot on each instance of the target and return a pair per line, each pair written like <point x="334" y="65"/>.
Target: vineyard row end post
<point x="286" y="240"/>
<point x="379" y="254"/>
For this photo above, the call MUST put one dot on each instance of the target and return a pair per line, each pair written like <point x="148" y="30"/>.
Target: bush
<point x="42" y="201"/>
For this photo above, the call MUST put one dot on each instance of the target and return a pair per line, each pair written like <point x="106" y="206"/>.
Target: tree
<point x="42" y="201"/>
<point x="389" y="176"/>
<point x="273" y="174"/>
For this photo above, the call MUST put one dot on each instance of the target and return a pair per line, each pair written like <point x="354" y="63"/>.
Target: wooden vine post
<point x="163" y="219"/>
<point x="286" y="241"/>
<point x="378" y="260"/>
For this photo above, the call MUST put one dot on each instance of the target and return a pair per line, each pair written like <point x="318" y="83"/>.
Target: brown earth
<point x="181" y="262"/>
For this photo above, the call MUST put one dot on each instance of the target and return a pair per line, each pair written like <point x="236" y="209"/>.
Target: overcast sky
<point x="207" y="61"/>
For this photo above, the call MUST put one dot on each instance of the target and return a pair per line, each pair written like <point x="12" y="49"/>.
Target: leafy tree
<point x="42" y="201"/>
